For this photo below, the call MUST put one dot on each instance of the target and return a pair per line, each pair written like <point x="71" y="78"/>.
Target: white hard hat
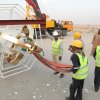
<point x="55" y="33"/>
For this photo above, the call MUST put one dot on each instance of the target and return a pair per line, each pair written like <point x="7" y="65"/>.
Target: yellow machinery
<point x="63" y="26"/>
<point x="66" y="24"/>
<point x="51" y="25"/>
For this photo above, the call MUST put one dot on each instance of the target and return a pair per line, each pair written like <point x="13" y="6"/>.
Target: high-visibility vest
<point x="27" y="40"/>
<point x="56" y="47"/>
<point x="97" y="56"/>
<point x="82" y="71"/>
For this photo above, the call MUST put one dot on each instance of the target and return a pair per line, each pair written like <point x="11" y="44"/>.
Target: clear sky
<point x="79" y="11"/>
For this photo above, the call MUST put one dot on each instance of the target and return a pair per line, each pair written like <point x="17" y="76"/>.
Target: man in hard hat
<point x="80" y="71"/>
<point x="97" y="68"/>
<point x="77" y="36"/>
<point x="95" y="41"/>
<point x="24" y="38"/>
<point x="57" y="49"/>
<point x="17" y="52"/>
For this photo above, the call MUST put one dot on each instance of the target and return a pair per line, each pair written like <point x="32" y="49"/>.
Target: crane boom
<point x="35" y="7"/>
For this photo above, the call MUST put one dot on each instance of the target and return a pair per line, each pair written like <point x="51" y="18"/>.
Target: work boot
<point x="67" y="98"/>
<point x="61" y="75"/>
<point x="56" y="73"/>
<point x="96" y="89"/>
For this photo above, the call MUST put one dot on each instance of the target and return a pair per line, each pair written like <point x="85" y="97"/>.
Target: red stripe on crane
<point x="30" y="2"/>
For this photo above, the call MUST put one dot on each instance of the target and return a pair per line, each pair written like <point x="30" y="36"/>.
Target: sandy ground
<point x="39" y="83"/>
<point x="86" y="28"/>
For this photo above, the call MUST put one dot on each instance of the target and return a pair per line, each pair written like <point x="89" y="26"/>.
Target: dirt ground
<point x="39" y="83"/>
<point x="86" y="28"/>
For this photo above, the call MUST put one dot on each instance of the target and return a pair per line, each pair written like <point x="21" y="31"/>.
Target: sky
<point x="78" y="11"/>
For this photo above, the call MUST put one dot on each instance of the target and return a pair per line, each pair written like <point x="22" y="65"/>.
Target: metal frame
<point x="12" y="70"/>
<point x="41" y="21"/>
<point x="15" y="69"/>
<point x="20" y="22"/>
<point x="19" y="10"/>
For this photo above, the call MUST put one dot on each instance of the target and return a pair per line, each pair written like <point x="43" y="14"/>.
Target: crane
<point x="51" y="25"/>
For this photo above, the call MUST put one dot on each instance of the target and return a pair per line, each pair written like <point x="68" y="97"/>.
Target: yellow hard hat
<point x="77" y="35"/>
<point x="77" y="43"/>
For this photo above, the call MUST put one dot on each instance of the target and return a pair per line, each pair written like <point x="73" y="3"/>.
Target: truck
<point x="63" y="25"/>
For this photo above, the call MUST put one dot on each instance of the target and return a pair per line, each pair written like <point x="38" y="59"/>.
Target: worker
<point x="77" y="36"/>
<point x="57" y="49"/>
<point x="17" y="52"/>
<point x="79" y="69"/>
<point x="95" y="41"/>
<point x="97" y="68"/>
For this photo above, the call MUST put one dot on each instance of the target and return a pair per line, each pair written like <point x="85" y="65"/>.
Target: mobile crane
<point x="51" y="25"/>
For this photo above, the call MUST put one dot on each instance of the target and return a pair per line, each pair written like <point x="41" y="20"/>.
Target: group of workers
<point x="78" y="58"/>
<point x="79" y="61"/>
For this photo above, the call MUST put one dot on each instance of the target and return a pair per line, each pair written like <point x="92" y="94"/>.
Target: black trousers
<point x="76" y="88"/>
<point x="97" y="78"/>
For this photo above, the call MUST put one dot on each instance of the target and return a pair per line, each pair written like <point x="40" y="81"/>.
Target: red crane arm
<point x="31" y="3"/>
